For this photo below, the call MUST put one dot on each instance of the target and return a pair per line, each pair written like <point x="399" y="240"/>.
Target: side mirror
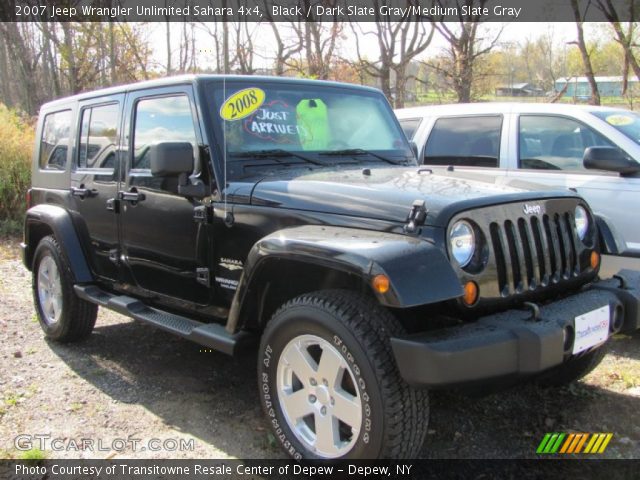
<point x="610" y="159"/>
<point x="175" y="159"/>
<point x="170" y="159"/>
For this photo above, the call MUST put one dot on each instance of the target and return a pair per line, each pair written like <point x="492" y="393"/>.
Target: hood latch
<point x="417" y="216"/>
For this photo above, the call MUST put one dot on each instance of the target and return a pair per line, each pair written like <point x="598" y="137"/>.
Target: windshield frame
<point x="213" y="100"/>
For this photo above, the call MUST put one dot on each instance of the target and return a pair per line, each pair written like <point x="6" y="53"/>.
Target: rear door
<point x="163" y="248"/>
<point x="94" y="180"/>
<point x="472" y="141"/>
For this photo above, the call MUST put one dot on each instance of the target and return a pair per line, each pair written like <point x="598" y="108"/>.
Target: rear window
<point x="465" y="141"/>
<point x="54" y="143"/>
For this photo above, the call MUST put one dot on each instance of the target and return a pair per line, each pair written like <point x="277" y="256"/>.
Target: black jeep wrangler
<point x="291" y="214"/>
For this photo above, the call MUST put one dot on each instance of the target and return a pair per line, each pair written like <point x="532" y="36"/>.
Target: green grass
<point x="32" y="454"/>
<point x="432" y="97"/>
<point x="16" y="144"/>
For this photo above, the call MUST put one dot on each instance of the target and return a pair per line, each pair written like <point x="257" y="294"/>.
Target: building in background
<point x="518" y="90"/>
<point x="607" y="86"/>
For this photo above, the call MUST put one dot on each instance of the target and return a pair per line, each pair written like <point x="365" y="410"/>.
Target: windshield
<point x="624" y="121"/>
<point x="293" y="123"/>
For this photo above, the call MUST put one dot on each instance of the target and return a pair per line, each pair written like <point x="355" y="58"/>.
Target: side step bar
<point x="212" y="335"/>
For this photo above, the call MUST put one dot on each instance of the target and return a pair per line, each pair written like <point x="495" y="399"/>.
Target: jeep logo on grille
<point x="531" y="209"/>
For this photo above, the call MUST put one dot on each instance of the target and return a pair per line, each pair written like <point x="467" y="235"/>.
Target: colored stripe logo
<point x="574" y="443"/>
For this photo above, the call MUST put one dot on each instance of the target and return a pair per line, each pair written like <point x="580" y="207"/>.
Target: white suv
<point x="592" y="150"/>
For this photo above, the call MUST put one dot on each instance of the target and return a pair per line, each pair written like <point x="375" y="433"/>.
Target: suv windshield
<point x="294" y="123"/>
<point x="624" y="121"/>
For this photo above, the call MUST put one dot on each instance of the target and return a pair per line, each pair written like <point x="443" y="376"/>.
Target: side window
<point x="161" y="119"/>
<point x="409" y="126"/>
<point x="466" y="141"/>
<point x="547" y="142"/>
<point x="54" y="143"/>
<point x="98" y="136"/>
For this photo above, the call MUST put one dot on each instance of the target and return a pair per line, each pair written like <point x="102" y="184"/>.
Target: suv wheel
<point x="329" y="384"/>
<point x="573" y="369"/>
<point x="63" y="316"/>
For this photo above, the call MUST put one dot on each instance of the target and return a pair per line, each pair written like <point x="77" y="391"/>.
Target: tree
<point x="288" y="41"/>
<point x="465" y="48"/>
<point x="320" y="42"/>
<point x="40" y="61"/>
<point x="624" y="35"/>
<point x="399" y="43"/>
<point x="586" y="61"/>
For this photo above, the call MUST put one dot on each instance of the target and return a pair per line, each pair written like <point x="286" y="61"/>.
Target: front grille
<point x="534" y="251"/>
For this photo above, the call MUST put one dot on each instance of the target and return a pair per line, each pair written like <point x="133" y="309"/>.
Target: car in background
<point x="592" y="150"/>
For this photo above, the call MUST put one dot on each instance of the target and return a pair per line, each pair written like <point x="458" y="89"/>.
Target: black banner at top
<point x="315" y="10"/>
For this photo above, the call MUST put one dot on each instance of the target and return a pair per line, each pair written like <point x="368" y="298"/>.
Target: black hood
<point x="387" y="193"/>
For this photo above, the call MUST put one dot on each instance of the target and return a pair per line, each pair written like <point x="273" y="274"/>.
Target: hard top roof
<point x="192" y="79"/>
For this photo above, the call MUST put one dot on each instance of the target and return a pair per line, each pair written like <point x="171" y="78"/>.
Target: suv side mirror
<point x="611" y="159"/>
<point x="170" y="159"/>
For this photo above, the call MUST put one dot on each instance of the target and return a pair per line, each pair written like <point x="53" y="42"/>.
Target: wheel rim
<point x="49" y="290"/>
<point x="318" y="396"/>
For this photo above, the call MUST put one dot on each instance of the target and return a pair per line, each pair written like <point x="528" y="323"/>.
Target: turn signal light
<point x="381" y="283"/>
<point x="595" y="260"/>
<point x="470" y="293"/>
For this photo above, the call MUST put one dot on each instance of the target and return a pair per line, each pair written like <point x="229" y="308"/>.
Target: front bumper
<point x="513" y="343"/>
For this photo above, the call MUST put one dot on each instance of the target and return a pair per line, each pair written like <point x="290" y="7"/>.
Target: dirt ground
<point x="129" y="384"/>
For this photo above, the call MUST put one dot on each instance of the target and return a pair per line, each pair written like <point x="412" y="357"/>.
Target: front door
<point x="163" y="248"/>
<point x="94" y="180"/>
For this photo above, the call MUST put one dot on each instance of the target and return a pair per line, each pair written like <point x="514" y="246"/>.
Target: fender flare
<point x="418" y="271"/>
<point x="610" y="241"/>
<point x="60" y="223"/>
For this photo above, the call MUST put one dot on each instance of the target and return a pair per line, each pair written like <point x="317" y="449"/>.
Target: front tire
<point x="329" y="384"/>
<point x="63" y="316"/>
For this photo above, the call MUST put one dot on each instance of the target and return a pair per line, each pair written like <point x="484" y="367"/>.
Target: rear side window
<point x="409" y="126"/>
<point x="465" y="141"/>
<point x="164" y="119"/>
<point x="54" y="143"/>
<point x="98" y="136"/>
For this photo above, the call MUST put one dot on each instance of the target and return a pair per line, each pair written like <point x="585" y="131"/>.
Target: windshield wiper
<point x="360" y="151"/>
<point x="275" y="152"/>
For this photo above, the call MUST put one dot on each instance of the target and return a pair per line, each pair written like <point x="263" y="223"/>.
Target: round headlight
<point x="582" y="222"/>
<point x="462" y="242"/>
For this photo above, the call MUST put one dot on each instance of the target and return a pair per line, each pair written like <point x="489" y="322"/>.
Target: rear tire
<point x="329" y="384"/>
<point x="63" y="316"/>
<point x="573" y="369"/>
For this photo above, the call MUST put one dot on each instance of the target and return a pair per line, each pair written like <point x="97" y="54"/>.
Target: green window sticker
<point x="313" y="120"/>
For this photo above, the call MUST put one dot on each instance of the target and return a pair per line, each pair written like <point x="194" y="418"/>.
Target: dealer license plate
<point x="592" y="328"/>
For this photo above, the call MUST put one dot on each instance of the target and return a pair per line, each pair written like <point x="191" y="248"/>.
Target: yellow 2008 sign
<point x="242" y="103"/>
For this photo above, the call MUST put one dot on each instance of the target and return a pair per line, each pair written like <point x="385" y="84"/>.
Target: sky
<point x="513" y="32"/>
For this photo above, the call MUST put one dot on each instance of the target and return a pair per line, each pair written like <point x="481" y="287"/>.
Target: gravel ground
<point x="137" y="392"/>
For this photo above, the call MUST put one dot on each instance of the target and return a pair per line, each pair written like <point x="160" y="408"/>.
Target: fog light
<point x="595" y="260"/>
<point x="381" y="283"/>
<point x="470" y="293"/>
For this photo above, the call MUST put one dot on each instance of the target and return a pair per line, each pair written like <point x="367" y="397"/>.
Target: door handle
<point x="132" y="196"/>
<point x="83" y="192"/>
